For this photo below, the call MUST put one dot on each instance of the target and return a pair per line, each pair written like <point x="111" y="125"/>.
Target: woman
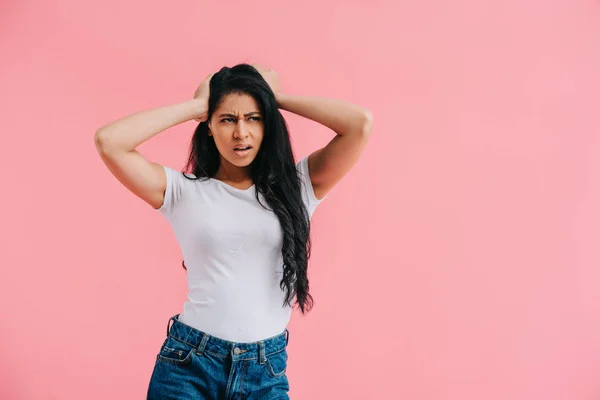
<point x="241" y="217"/>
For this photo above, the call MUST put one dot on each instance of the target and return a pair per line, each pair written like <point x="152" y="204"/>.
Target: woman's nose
<point x="241" y="129"/>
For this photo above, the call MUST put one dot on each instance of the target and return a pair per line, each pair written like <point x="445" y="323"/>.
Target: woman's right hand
<point x="201" y="94"/>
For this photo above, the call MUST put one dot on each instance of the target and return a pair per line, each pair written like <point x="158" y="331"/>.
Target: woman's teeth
<point x="242" y="152"/>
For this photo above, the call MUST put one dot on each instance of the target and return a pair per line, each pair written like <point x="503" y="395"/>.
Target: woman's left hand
<point x="270" y="76"/>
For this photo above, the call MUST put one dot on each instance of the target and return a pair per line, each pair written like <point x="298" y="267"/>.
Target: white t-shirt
<point x="231" y="247"/>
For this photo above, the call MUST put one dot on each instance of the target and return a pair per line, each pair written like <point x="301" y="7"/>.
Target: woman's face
<point x="237" y="122"/>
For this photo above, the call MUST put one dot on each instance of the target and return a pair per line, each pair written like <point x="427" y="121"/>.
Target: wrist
<point x="280" y="98"/>
<point x="199" y="108"/>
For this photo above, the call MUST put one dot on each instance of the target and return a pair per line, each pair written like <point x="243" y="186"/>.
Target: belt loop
<point x="261" y="352"/>
<point x="202" y="344"/>
<point x="169" y="323"/>
<point x="287" y="337"/>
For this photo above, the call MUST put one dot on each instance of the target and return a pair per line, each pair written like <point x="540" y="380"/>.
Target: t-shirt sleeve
<point x="173" y="192"/>
<point x="308" y="193"/>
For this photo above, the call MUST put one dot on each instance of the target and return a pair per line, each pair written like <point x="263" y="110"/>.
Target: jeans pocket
<point x="277" y="363"/>
<point x="175" y="351"/>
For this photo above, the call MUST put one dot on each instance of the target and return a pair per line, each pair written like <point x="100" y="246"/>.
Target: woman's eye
<point x="233" y="120"/>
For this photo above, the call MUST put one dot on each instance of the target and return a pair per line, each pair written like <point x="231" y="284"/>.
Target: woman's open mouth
<point x="242" y="151"/>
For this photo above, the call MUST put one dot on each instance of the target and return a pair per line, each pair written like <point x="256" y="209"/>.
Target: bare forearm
<point x="129" y="132"/>
<point x="340" y="116"/>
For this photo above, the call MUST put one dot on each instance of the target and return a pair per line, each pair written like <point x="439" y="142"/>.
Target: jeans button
<point x="237" y="351"/>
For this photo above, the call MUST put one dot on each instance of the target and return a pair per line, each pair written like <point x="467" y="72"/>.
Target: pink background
<point x="459" y="260"/>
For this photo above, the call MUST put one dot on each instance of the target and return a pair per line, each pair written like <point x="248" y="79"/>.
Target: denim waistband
<point x="202" y="342"/>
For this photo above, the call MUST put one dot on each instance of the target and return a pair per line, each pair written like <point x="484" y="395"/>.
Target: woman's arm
<point x="116" y="144"/>
<point x="127" y="133"/>
<point x="340" y="116"/>
<point x="352" y="123"/>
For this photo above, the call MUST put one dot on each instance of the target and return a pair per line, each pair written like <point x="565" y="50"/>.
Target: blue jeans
<point x="192" y="364"/>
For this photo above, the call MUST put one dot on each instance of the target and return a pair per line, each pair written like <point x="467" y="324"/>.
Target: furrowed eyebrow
<point x="235" y="116"/>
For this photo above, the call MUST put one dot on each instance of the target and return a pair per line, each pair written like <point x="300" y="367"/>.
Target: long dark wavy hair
<point x="273" y="172"/>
